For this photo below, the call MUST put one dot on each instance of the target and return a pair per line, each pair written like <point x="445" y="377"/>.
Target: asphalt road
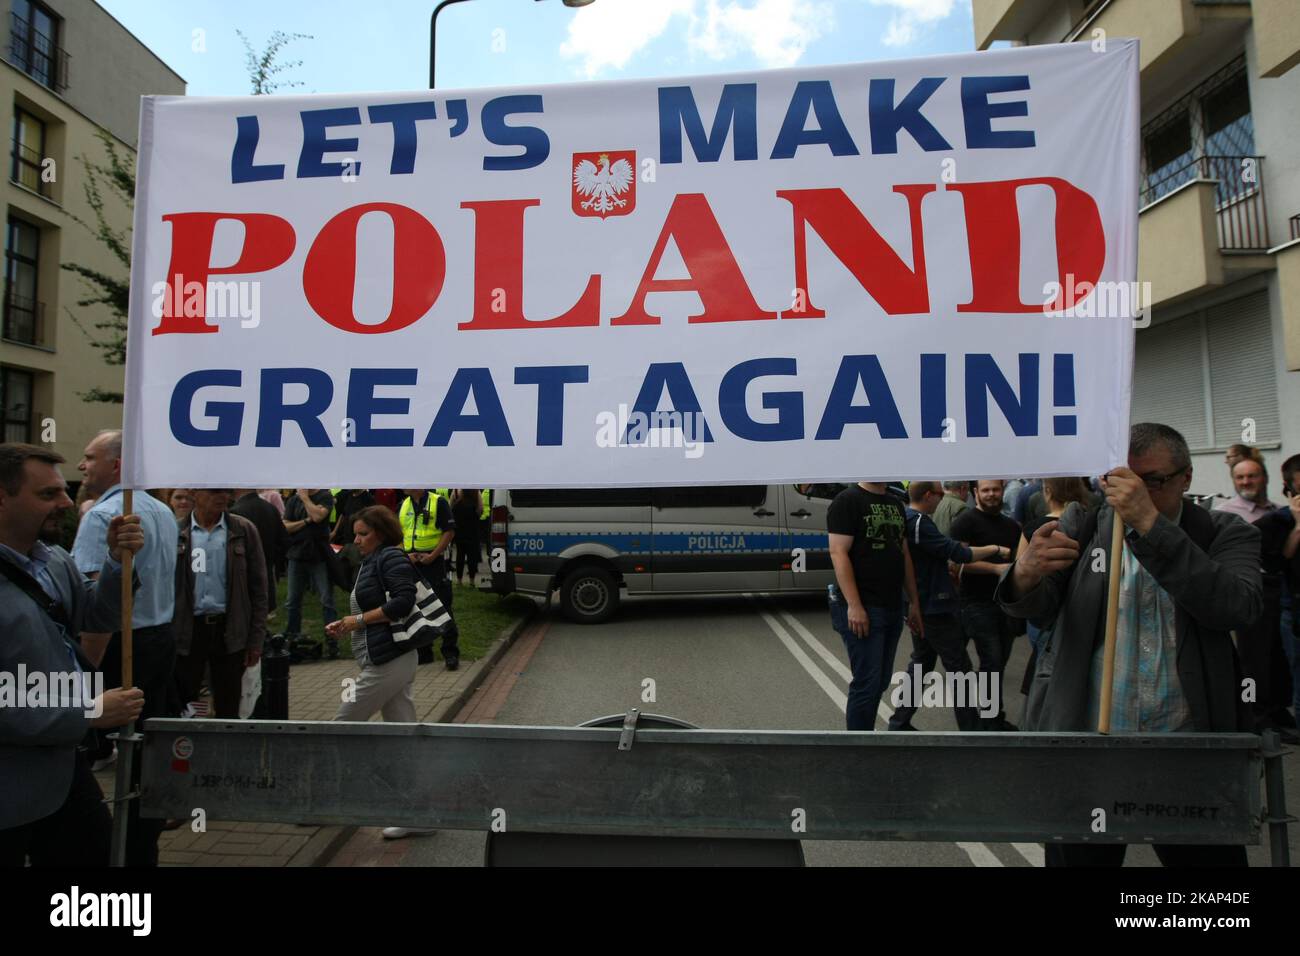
<point x="752" y="662"/>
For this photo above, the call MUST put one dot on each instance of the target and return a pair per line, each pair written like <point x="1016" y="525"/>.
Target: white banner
<point x="919" y="269"/>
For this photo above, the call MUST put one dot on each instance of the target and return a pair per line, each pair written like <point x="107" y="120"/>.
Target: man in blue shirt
<point x="153" y="646"/>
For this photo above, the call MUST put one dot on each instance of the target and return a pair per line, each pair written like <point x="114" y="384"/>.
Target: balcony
<point x="26" y="169"/>
<point x="24" y="321"/>
<point x="1202" y="225"/>
<point x="37" y="55"/>
<point x="1277" y="36"/>
<point x="1001" y="20"/>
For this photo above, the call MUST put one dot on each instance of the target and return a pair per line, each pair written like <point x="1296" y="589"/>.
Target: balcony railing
<point x="24" y="320"/>
<point x="37" y="55"/>
<point x="27" y="169"/>
<point x="1239" y="196"/>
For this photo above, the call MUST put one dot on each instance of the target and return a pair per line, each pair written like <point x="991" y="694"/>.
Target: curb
<point x="481" y="668"/>
<point x="322" y="847"/>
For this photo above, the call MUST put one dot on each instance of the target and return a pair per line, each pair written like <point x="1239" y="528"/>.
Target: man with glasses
<point x="1188" y="577"/>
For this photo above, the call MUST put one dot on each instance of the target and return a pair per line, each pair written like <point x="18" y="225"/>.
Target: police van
<point x="593" y="545"/>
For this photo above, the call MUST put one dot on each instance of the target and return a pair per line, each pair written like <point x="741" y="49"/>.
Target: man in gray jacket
<point x="1189" y="576"/>
<point x="51" y="808"/>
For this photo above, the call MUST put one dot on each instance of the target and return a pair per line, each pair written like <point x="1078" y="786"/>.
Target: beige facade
<point x="67" y="71"/>
<point x="1219" y="210"/>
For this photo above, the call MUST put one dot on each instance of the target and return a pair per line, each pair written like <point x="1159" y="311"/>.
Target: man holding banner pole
<point x="1187" y="577"/>
<point x="151" y="607"/>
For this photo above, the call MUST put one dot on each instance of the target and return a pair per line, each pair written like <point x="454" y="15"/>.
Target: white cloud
<point x="609" y="34"/>
<point x="777" y="32"/>
<point x="909" y="15"/>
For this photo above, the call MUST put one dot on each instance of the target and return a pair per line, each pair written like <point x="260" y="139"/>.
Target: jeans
<point x="304" y="575"/>
<point x="871" y="659"/>
<point x="942" y="641"/>
<point x="986" y="624"/>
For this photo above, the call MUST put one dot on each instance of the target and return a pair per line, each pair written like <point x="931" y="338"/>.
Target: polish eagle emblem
<point x="604" y="184"/>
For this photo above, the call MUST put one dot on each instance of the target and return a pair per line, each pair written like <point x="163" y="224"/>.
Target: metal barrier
<point x="709" y="784"/>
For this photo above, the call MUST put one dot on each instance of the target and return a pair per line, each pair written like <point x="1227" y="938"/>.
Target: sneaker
<point x="103" y="763"/>
<point x="906" y="726"/>
<point x="398" y="833"/>
<point x="453" y="663"/>
<point x="332" y="649"/>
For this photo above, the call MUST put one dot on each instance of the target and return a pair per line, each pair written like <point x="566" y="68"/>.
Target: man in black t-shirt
<point x="306" y="518"/>
<point x="982" y="620"/>
<point x="872" y="569"/>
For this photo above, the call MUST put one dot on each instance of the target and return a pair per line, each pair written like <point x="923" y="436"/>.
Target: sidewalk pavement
<point x="315" y="691"/>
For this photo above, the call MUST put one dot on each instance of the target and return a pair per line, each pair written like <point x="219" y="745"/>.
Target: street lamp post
<point x="433" y="30"/>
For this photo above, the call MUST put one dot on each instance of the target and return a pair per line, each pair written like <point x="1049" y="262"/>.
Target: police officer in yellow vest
<point x="428" y="529"/>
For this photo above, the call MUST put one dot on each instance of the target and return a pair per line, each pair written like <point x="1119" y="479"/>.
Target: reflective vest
<point x="487" y="508"/>
<point x="420" y="531"/>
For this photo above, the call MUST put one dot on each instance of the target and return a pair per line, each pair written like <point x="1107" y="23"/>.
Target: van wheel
<point x="589" y="594"/>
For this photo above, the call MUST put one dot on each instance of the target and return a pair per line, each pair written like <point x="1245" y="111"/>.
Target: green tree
<point x="109" y="188"/>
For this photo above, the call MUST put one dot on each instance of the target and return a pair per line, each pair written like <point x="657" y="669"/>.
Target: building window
<point x="29" y="152"/>
<point x="34" y="46"/>
<point x="24" y="318"/>
<point x="16" y="399"/>
<point x="1206" y="134"/>
<point x="1210" y="375"/>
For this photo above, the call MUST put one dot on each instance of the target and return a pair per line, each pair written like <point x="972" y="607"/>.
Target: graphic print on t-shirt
<point x="883" y="526"/>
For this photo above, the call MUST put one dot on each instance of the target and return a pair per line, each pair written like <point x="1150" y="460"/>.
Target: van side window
<point x="710" y="496"/>
<point x="827" y="491"/>
<point x="580" y="497"/>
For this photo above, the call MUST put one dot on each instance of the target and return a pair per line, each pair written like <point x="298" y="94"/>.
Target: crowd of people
<point x="1205" y="637"/>
<point x="206" y="566"/>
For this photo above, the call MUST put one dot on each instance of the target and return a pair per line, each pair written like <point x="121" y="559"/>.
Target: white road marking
<point x="1033" y="852"/>
<point x="834" y="662"/>
<point x="979" y="853"/>
<point x="816" y="673"/>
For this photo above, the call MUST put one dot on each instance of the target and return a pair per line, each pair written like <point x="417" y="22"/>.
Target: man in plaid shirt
<point x="1188" y="578"/>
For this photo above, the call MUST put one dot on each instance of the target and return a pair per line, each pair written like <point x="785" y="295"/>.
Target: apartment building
<point x="67" y="71"/>
<point x="1219" y="227"/>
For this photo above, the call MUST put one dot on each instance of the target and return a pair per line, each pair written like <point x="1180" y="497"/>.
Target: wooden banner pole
<point x="1112" y="622"/>
<point x="126" y="737"/>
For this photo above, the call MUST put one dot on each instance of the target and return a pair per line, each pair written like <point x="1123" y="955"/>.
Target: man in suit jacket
<point x="51" y="808"/>
<point x="221" y="599"/>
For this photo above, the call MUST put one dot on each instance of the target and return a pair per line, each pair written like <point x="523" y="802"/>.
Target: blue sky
<point x="384" y="44"/>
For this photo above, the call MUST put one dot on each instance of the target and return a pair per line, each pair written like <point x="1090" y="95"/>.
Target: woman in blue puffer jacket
<point x="384" y="594"/>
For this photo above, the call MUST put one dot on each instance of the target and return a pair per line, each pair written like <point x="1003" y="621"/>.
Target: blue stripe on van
<point x="667" y="542"/>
